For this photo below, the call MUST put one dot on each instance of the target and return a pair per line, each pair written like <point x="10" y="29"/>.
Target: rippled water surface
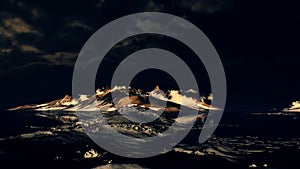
<point x="55" y="139"/>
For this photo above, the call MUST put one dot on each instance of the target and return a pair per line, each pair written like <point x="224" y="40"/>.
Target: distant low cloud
<point x="61" y="58"/>
<point x="29" y="48"/>
<point x="207" y="6"/>
<point x="154" y="7"/>
<point x="10" y="27"/>
<point x="197" y="6"/>
<point x="79" y="24"/>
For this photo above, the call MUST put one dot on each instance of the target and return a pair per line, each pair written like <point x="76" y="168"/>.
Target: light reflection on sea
<point x="242" y="140"/>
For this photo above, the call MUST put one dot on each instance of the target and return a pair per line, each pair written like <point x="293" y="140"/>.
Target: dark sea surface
<point x="54" y="139"/>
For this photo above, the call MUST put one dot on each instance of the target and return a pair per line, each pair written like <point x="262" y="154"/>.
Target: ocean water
<point x="55" y="139"/>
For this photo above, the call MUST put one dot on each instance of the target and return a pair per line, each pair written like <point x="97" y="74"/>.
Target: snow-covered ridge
<point x="124" y="97"/>
<point x="295" y="107"/>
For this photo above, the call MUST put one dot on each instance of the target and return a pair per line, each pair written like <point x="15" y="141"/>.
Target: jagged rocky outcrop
<point x="155" y="100"/>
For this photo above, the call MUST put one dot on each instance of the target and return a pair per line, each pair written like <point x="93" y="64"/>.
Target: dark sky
<point x="258" y="43"/>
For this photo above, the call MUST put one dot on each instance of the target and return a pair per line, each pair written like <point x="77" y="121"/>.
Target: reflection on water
<point x="55" y="139"/>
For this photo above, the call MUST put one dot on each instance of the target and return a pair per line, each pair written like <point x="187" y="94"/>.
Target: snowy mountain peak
<point x="123" y="97"/>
